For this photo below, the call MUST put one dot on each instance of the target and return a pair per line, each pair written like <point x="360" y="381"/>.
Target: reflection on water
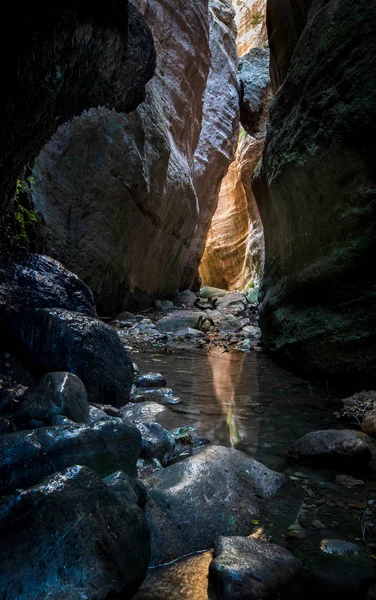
<point x="241" y="400"/>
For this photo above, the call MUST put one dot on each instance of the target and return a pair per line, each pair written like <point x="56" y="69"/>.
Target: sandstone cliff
<point x="117" y="192"/>
<point x="316" y="195"/>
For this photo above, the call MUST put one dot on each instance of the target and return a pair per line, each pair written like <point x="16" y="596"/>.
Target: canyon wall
<point x="316" y="193"/>
<point x="116" y="194"/>
<point x="60" y="61"/>
<point x="234" y="248"/>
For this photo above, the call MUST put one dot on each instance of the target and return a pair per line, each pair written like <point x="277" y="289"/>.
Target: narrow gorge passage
<point x="187" y="301"/>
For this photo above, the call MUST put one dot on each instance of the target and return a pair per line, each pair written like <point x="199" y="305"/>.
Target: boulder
<point x="127" y="488"/>
<point x="105" y="446"/>
<point x="331" y="446"/>
<point x="156" y="442"/>
<point x="186" y="298"/>
<point x="180" y="320"/>
<point x="212" y="292"/>
<point x="34" y="281"/>
<point x="249" y="569"/>
<point x="71" y="537"/>
<point x="220" y="491"/>
<point x="58" y="393"/>
<point x="229" y="323"/>
<point x="369" y="423"/>
<point x="161" y="395"/>
<point x="58" y="340"/>
<point x="150" y="380"/>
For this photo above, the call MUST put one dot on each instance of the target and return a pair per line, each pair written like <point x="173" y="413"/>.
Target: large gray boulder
<point x="59" y="340"/>
<point x="331" y="446"/>
<point x="217" y="492"/>
<point x="71" y="537"/>
<point x="26" y="457"/>
<point x="249" y="569"/>
<point x="179" y="320"/>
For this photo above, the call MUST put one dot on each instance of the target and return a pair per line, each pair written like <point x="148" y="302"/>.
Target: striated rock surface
<point x="234" y="251"/>
<point x="316" y="194"/>
<point x="219" y="133"/>
<point x="251" y="24"/>
<point x="126" y="230"/>
<point x="61" y="61"/>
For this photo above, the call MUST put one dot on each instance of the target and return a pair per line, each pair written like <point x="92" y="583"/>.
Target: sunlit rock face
<point x="316" y="194"/>
<point x="219" y="133"/>
<point x="251" y="24"/>
<point x="116" y="191"/>
<point x="118" y="194"/>
<point x="62" y="60"/>
<point x="234" y="250"/>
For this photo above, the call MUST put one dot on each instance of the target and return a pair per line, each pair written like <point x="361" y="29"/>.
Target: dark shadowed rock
<point x="331" y="446"/>
<point x="156" y="442"/>
<point x="105" y="446"/>
<point x="315" y="190"/>
<point x="71" y="537"/>
<point x="67" y="59"/>
<point x="55" y="339"/>
<point x="162" y="395"/>
<point x="127" y="488"/>
<point x="150" y="380"/>
<point x="186" y="298"/>
<point x="369" y="423"/>
<point x="35" y="281"/>
<point x="219" y="491"/>
<point x="180" y="320"/>
<point x="58" y="393"/>
<point x="249" y="569"/>
<point x="96" y="414"/>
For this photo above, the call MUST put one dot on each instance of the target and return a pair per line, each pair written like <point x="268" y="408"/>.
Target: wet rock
<point x="150" y="380"/>
<point x="143" y="411"/>
<point x="109" y="410"/>
<point x="180" y="320"/>
<point x="229" y="323"/>
<point x="156" y="442"/>
<point x="105" y="446"/>
<point x="127" y="488"/>
<point x="71" y="537"/>
<point x="189" y="333"/>
<point x="162" y="395"/>
<point x="220" y="490"/>
<point x="369" y="423"/>
<point x="34" y="281"/>
<point x="212" y="292"/>
<point x="246" y="345"/>
<point x="332" y="567"/>
<point x="58" y="340"/>
<point x="96" y="414"/>
<point x="249" y="569"/>
<point x="186" y="298"/>
<point x="331" y="446"/>
<point x="58" y="393"/>
<point x="5" y="425"/>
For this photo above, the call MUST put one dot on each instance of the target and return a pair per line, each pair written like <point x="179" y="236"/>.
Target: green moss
<point x="256" y="19"/>
<point x="24" y="218"/>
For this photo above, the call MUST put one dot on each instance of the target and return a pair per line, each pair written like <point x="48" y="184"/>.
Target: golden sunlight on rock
<point x="251" y="24"/>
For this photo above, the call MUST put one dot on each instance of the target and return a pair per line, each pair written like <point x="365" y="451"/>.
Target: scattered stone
<point x="125" y="316"/>
<point x="58" y="340"/>
<point x="58" y="393"/>
<point x="189" y="333"/>
<point x="334" y="446"/>
<point x="232" y="302"/>
<point x="348" y="481"/>
<point x="339" y="547"/>
<point x="150" y="380"/>
<point x="109" y="410"/>
<point x="5" y="425"/>
<point x="162" y="395"/>
<point x="212" y="292"/>
<point x="229" y="323"/>
<point x="105" y="446"/>
<point x="369" y="423"/>
<point x="180" y="320"/>
<point x="249" y="569"/>
<point x="220" y="491"/>
<point x="143" y="412"/>
<point x="186" y="298"/>
<point x="156" y="442"/>
<point x="96" y="414"/>
<point x="246" y="345"/>
<point x="318" y="524"/>
<point x="71" y="537"/>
